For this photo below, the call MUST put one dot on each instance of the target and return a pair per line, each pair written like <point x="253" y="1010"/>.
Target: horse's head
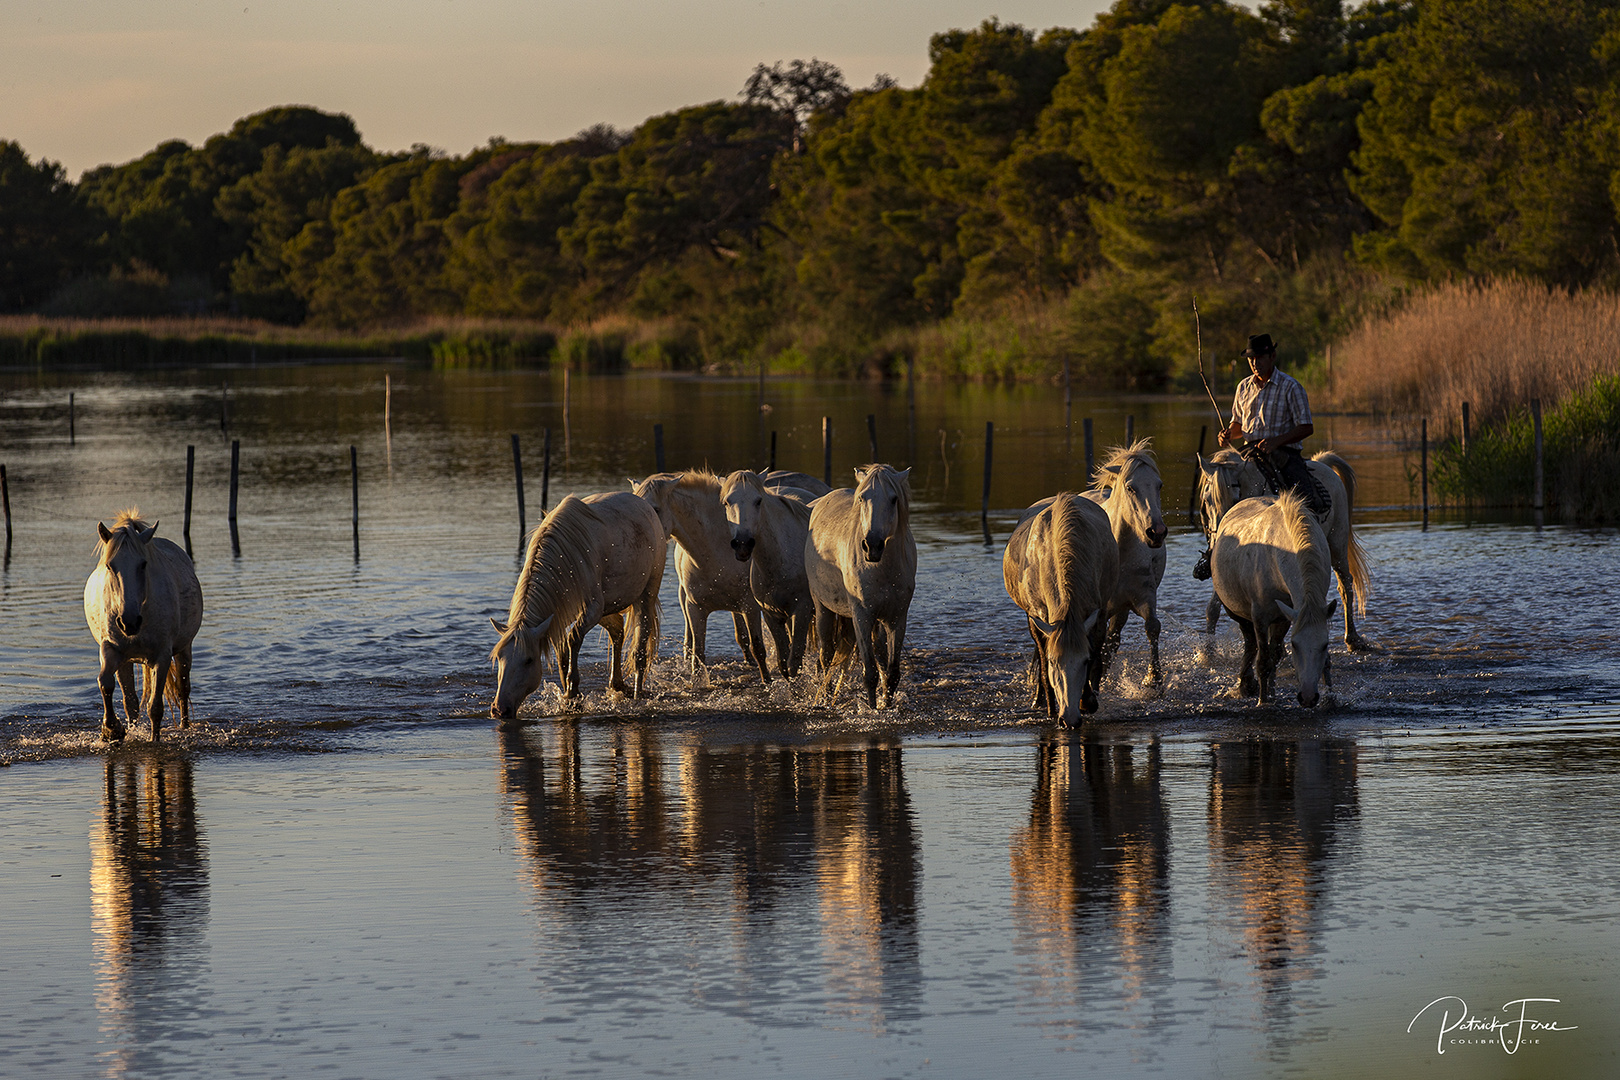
<point x="1310" y="646"/>
<point x="126" y="551"/>
<point x="882" y="506"/>
<point x="657" y="490"/>
<point x="1133" y="479"/>
<point x="1220" y="487"/>
<point x="519" y="658"/>
<point x="1066" y="656"/>
<point x="743" y="496"/>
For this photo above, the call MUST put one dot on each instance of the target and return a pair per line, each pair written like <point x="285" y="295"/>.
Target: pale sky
<point x="88" y="82"/>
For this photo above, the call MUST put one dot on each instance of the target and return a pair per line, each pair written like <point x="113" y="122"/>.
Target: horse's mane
<point x="1226" y="456"/>
<point x="889" y="476"/>
<point x="1311" y="547"/>
<point x="1074" y="565"/>
<point x="699" y="478"/>
<point x="106" y="549"/>
<point x="1118" y="459"/>
<point x="745" y="477"/>
<point x="555" y="569"/>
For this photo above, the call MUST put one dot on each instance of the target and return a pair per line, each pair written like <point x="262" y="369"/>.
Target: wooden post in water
<point x="354" y="478"/>
<point x="911" y="410"/>
<point x="658" y="448"/>
<point x="5" y="497"/>
<point x="770" y="468"/>
<point x="1423" y="469"/>
<point x="72" y="435"/>
<point x="545" y="473"/>
<point x="388" y="417"/>
<point x="236" y="461"/>
<point x="1467" y="436"/>
<point x="517" y="470"/>
<point x="871" y="436"/>
<point x="826" y="450"/>
<point x="567" y="430"/>
<point x="1536" y="485"/>
<point x="1130" y="429"/>
<point x="1198" y="475"/>
<point x="1090" y="463"/>
<point x="191" y="467"/>
<point x="224" y="408"/>
<point x="984" y="503"/>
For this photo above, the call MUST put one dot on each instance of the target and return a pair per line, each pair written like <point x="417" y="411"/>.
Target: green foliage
<point x="42" y="233"/>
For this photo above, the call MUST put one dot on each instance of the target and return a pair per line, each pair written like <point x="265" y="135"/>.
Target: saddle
<point x="1315" y="494"/>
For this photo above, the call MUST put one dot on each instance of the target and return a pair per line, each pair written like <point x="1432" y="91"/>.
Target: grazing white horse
<point x="768" y="532"/>
<point x="1127" y="487"/>
<point x="142" y="603"/>
<point x="710" y="577"/>
<point x="590" y="559"/>
<point x="1227" y="478"/>
<point x="1061" y="567"/>
<point x="1269" y="560"/>
<point x="861" y="562"/>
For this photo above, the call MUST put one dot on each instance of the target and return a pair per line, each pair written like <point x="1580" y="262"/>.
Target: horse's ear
<point x="1206" y="466"/>
<point x="1288" y="612"/>
<point x="147" y="534"/>
<point x="543" y="627"/>
<point x="861" y="471"/>
<point x="1042" y="625"/>
<point x="1114" y="469"/>
<point x="905" y="473"/>
<point x="500" y="628"/>
<point x="1092" y="621"/>
<point x="1333" y="605"/>
<point x="106" y="537"/>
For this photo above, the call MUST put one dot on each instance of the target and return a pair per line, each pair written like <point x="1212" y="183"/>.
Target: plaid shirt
<point x="1275" y="407"/>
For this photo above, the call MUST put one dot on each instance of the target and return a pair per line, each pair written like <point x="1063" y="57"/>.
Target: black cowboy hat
<point x="1260" y="345"/>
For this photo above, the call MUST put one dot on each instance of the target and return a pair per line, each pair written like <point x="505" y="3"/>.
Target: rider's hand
<point x="1231" y="435"/>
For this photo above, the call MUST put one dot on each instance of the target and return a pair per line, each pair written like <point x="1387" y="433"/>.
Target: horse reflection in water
<point x="1091" y="873"/>
<point x="631" y="849"/>
<point x="1277" y="809"/>
<point x="149" y="913"/>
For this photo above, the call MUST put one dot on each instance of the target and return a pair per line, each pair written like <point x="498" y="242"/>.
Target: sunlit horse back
<point x="1061" y="567"/>
<point x="1269" y="561"/>
<point x="143" y="604"/>
<point x="589" y="561"/>
<point x="861" y="563"/>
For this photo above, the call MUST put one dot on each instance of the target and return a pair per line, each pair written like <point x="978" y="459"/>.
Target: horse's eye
<point x="759" y="502"/>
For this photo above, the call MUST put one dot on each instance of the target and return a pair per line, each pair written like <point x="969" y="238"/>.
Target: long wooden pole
<point x="517" y="470"/>
<point x="984" y="502"/>
<point x="354" y="478"/>
<point x="236" y="462"/>
<point x="871" y="435"/>
<point x="191" y="468"/>
<point x="545" y="473"/>
<point x="1423" y="468"/>
<point x="1091" y="464"/>
<point x="658" y="448"/>
<point x="1536" y="480"/>
<point x="826" y="450"/>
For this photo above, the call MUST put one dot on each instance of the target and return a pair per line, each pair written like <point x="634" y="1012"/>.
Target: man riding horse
<point x="1271" y="416"/>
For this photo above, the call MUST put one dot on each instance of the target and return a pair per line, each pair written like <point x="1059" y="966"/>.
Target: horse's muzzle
<point x="743" y="546"/>
<point x="1156" y="534"/>
<point x="1309" y="700"/>
<point x="1088" y="701"/>
<point x="498" y="713"/>
<point x="872" y="548"/>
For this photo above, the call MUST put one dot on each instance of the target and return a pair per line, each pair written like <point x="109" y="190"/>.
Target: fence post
<point x="1198" y="475"/>
<point x="772" y="466"/>
<point x="517" y="469"/>
<point x="1423" y="468"/>
<point x="1090" y="464"/>
<point x="72" y="435"/>
<point x="658" y="448"/>
<point x="1130" y="429"/>
<point x="354" y="477"/>
<point x="5" y="497"/>
<point x="826" y="450"/>
<point x="191" y="466"/>
<point x="1467" y="437"/>
<point x="871" y="435"/>
<point x="984" y="503"/>
<point x="545" y="473"/>
<point x="236" y="460"/>
<point x="1536" y="502"/>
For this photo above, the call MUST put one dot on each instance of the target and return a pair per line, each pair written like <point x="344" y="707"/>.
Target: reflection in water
<point x="1091" y="873"/>
<point x="149" y="913"/>
<point x="1275" y="812"/>
<point x="786" y="845"/>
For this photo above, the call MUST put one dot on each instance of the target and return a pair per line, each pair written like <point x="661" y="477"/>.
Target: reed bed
<point x="1494" y="345"/>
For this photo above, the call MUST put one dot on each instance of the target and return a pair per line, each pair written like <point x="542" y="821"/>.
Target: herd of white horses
<point x="784" y="553"/>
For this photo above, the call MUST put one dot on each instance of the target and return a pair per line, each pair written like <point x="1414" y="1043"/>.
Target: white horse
<point x="1061" y="567"/>
<point x="590" y="559"/>
<point x="142" y="603"/>
<point x="710" y="577"/>
<point x="1269" y="560"/>
<point x="861" y="562"/>
<point x="796" y="484"/>
<point x="1127" y="487"/>
<point x="1228" y="478"/>
<point x="768" y="532"/>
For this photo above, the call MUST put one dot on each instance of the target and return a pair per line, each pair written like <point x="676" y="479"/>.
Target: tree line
<point x="1287" y="166"/>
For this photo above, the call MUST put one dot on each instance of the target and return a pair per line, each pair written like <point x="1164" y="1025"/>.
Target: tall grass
<point x="1495" y="346"/>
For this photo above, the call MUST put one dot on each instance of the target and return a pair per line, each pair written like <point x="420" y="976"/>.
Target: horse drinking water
<point x="861" y="562"/>
<point x="143" y="604"/>
<point x="1061" y="567"/>
<point x="590" y="559"/>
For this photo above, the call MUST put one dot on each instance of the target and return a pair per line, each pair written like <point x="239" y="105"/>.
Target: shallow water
<point x="344" y="866"/>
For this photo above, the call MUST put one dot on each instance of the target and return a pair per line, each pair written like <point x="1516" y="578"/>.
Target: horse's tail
<point x="1360" y="575"/>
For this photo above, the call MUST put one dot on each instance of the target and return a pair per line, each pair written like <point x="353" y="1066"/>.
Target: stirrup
<point x="1201" y="569"/>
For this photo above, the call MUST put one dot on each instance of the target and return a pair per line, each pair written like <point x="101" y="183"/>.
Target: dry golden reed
<point x="1495" y="346"/>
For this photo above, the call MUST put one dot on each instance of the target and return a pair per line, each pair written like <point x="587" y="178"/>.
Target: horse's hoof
<point x="111" y="737"/>
<point x="1361" y="645"/>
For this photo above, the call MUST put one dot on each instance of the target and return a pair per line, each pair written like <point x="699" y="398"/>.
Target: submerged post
<point x="5" y="497"/>
<point x="545" y="472"/>
<point x="517" y="470"/>
<point x="236" y="461"/>
<point x="826" y="450"/>
<point x="871" y="435"/>
<point x="984" y="502"/>
<point x="1536" y="485"/>
<point x="1423" y="469"/>
<point x="354" y="477"/>
<point x="191" y="466"/>
<point x="772" y="466"/>
<point x="72" y="436"/>
<point x="1198" y="473"/>
<point x="658" y="448"/>
<point x="1090" y="463"/>
<point x="388" y="417"/>
<point x="1467" y="437"/>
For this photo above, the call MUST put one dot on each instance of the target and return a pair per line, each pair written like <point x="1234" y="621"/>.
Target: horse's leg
<point x="865" y="630"/>
<point x="157" y="677"/>
<point x="752" y="639"/>
<point x="182" y="677"/>
<point x="1347" y="600"/>
<point x="1212" y="619"/>
<point x="134" y="707"/>
<point x="571" y="645"/>
<point x="778" y="627"/>
<point x="891" y="682"/>
<point x="1276" y="639"/>
<point x="112" y="667"/>
<point x="799" y="630"/>
<point x="1037" y="673"/>
<point x="1248" y="685"/>
<point x="1151" y="626"/>
<point x="1110" y="646"/>
<point x="695" y="637"/>
<point x="615" y="633"/>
